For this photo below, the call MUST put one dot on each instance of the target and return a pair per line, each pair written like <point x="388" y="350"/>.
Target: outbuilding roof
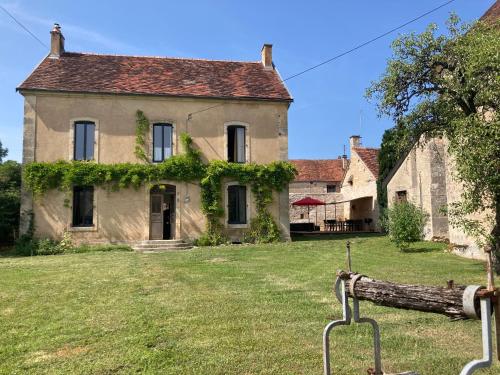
<point x="164" y="76"/>
<point x="329" y="170"/>
<point x="369" y="156"/>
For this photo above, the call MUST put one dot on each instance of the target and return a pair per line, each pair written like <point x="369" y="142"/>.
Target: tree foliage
<point x="10" y="185"/>
<point x="449" y="85"/>
<point x="3" y="152"/>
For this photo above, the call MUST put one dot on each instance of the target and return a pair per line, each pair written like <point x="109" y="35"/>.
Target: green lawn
<point x="227" y="310"/>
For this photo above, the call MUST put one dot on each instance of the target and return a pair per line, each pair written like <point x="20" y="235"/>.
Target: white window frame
<point x="226" y="204"/>
<point x="244" y="125"/>
<point x="72" y="123"/>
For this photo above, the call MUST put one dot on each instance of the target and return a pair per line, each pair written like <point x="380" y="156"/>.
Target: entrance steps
<point x="158" y="246"/>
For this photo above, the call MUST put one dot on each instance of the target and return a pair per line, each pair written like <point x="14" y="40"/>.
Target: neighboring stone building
<point x="319" y="179"/>
<point x="81" y="106"/>
<point x="359" y="186"/>
<point x="425" y="177"/>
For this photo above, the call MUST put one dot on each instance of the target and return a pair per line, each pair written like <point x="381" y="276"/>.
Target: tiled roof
<point x="493" y="13"/>
<point x="319" y="170"/>
<point x="369" y="156"/>
<point x="92" y="73"/>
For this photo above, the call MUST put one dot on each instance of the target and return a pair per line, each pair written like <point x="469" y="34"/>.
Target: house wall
<point x="427" y="175"/>
<point x="364" y="185"/>
<point x="124" y="215"/>
<point x="316" y="190"/>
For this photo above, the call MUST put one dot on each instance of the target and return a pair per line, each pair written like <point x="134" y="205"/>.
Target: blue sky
<point x="329" y="101"/>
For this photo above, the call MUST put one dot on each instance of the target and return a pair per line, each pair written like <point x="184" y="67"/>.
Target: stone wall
<point x="124" y="215"/>
<point x="359" y="191"/>
<point x="316" y="190"/>
<point x="427" y="176"/>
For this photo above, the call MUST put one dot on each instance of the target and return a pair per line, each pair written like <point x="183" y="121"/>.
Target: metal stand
<point x="341" y="293"/>
<point x="487" y="341"/>
<point x="469" y="299"/>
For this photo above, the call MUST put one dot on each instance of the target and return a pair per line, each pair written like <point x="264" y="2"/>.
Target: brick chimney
<point x="267" y="56"/>
<point x="354" y="141"/>
<point x="56" y="42"/>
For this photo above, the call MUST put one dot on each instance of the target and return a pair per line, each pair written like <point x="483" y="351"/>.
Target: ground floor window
<point x="401" y="196"/>
<point x="237" y="204"/>
<point x="83" y="206"/>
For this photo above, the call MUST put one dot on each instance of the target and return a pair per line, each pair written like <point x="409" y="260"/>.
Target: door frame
<point x="169" y="192"/>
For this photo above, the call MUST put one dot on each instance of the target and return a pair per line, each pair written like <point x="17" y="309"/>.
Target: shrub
<point x="406" y="223"/>
<point x="10" y="187"/>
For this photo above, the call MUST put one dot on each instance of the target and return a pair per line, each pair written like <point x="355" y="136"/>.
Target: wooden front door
<point x="156" y="216"/>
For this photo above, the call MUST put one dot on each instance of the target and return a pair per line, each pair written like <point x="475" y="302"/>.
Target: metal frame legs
<point x="341" y="294"/>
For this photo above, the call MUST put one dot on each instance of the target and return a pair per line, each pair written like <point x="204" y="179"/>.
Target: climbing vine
<point x="141" y="132"/>
<point x="263" y="180"/>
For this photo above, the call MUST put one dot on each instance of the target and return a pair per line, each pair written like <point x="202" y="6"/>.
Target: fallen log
<point x="440" y="300"/>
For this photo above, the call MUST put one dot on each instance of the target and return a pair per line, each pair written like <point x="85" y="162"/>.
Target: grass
<point x="228" y="310"/>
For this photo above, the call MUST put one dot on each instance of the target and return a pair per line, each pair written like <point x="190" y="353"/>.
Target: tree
<point x="449" y="85"/>
<point x="405" y="223"/>
<point x="10" y="185"/>
<point x="3" y="152"/>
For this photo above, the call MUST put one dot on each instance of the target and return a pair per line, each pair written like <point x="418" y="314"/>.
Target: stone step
<point x="160" y="245"/>
<point x="161" y="249"/>
<point x="160" y="241"/>
<point x="155" y="246"/>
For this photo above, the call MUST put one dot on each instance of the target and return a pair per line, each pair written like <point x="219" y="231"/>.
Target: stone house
<point x="425" y="177"/>
<point x="319" y="179"/>
<point x="359" y="186"/>
<point x="82" y="106"/>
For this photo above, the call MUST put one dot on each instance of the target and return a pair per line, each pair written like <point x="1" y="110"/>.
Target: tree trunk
<point x="435" y="299"/>
<point x="495" y="246"/>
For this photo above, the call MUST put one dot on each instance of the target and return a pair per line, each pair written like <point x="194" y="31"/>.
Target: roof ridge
<point x="366" y="148"/>
<point x="159" y="57"/>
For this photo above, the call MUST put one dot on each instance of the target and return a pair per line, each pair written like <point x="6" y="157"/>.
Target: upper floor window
<point x="331" y="188"/>
<point x="237" y="204"/>
<point x="236" y="149"/>
<point x="83" y="206"/>
<point x="84" y="140"/>
<point x="162" y="142"/>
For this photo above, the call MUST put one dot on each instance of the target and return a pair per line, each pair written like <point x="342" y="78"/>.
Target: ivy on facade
<point x="188" y="167"/>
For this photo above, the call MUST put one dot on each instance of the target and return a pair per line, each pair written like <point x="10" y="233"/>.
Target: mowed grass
<point x="227" y="310"/>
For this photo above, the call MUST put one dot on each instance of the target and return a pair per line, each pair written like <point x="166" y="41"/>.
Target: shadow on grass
<point x="416" y="250"/>
<point x="331" y="237"/>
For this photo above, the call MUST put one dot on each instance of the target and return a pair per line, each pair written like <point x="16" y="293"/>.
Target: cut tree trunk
<point x="435" y="299"/>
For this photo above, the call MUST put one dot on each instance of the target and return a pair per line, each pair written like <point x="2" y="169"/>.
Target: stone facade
<point x="124" y="216"/>
<point x="425" y="177"/>
<point x="316" y="190"/>
<point x="359" y="186"/>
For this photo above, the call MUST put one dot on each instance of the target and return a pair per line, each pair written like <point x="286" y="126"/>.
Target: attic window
<point x="350" y="181"/>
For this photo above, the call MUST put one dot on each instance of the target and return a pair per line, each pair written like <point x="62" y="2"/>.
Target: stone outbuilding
<point x="318" y="179"/>
<point x="359" y="187"/>
<point x="425" y="177"/>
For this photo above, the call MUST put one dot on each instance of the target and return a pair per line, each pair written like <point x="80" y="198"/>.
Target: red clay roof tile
<point x="493" y="13"/>
<point x="369" y="156"/>
<point x="319" y="170"/>
<point x="92" y="73"/>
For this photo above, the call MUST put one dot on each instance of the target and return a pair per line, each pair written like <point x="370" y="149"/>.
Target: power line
<point x="359" y="46"/>
<point x="23" y="27"/>
<point x="369" y="41"/>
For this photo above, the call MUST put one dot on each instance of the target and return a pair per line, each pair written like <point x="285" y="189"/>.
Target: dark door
<point x="156" y="216"/>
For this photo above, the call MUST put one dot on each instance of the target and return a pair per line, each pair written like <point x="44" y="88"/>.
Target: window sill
<point x="237" y="226"/>
<point x="92" y="228"/>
